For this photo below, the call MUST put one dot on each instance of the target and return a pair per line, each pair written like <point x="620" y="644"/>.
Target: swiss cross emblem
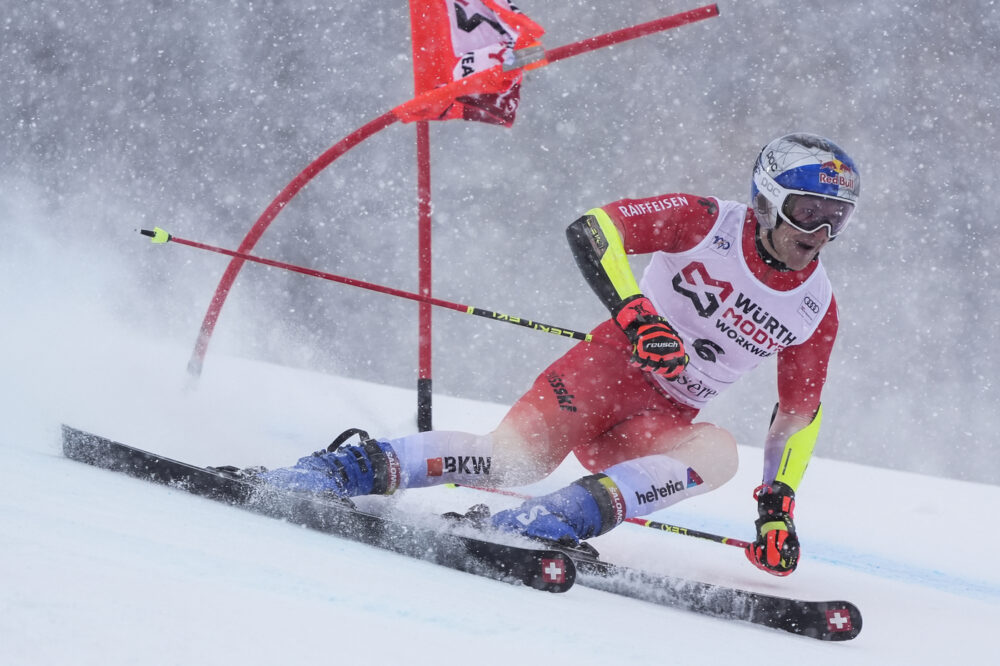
<point x="838" y="619"/>
<point x="435" y="466"/>
<point x="554" y="571"/>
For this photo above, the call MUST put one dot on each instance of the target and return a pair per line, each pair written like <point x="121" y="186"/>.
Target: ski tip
<point x="71" y="437"/>
<point x="81" y="446"/>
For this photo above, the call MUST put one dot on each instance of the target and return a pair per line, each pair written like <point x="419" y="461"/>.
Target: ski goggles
<point x="812" y="212"/>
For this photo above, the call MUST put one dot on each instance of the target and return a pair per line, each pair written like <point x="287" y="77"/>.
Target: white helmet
<point x="804" y="165"/>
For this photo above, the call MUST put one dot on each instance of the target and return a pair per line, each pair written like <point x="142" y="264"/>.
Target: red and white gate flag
<point x="460" y="48"/>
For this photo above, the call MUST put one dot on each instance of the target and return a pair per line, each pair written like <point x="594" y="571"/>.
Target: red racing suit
<point x="593" y="403"/>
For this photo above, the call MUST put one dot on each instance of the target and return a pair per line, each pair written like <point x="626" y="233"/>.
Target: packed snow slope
<point x="99" y="568"/>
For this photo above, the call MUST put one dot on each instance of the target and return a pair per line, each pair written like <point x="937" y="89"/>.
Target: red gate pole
<point x="425" y="21"/>
<point x="430" y="98"/>
<point x="424" y="416"/>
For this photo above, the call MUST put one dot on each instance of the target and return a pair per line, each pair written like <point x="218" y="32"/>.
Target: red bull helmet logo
<point x="837" y="173"/>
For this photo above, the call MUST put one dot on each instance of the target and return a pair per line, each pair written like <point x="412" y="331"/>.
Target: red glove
<point x="776" y="549"/>
<point x="656" y="347"/>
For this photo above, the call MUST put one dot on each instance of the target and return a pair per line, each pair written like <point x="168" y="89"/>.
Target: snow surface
<point x="98" y="568"/>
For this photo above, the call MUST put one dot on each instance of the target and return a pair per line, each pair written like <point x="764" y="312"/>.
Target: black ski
<point x="540" y="568"/>
<point x="822" y="620"/>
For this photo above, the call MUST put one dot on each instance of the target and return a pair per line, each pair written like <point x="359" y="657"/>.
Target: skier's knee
<point x="711" y="451"/>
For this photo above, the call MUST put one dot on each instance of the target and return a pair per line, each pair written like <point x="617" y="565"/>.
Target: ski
<point x="553" y="569"/>
<point x="822" y="620"/>
<point x="540" y="568"/>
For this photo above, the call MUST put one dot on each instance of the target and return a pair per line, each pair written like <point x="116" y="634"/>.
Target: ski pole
<point x="158" y="235"/>
<point x="685" y="531"/>
<point x="654" y="524"/>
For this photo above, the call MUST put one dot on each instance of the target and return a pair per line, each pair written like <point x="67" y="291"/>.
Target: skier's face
<point x="795" y="248"/>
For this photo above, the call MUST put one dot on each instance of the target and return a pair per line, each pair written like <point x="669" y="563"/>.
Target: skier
<point x="728" y="286"/>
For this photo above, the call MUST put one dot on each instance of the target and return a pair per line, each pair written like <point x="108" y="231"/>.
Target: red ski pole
<point x="160" y="236"/>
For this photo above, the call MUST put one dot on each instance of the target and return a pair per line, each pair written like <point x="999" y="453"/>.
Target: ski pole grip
<point x="157" y="234"/>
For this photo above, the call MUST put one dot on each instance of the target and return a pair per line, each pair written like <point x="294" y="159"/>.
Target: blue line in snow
<point x="884" y="567"/>
<point x="868" y="563"/>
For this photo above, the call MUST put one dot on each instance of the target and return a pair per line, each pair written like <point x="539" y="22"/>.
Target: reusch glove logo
<point x="705" y="292"/>
<point x="662" y="345"/>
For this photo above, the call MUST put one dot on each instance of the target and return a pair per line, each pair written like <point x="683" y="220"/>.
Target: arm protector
<point x="789" y="447"/>
<point x="600" y="253"/>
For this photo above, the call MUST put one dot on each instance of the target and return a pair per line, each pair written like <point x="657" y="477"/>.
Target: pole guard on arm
<point x="798" y="452"/>
<point x="600" y="254"/>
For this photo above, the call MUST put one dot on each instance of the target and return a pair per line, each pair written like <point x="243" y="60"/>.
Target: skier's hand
<point x="776" y="549"/>
<point x="656" y="347"/>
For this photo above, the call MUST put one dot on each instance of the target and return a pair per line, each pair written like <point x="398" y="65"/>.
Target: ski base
<point x="540" y="568"/>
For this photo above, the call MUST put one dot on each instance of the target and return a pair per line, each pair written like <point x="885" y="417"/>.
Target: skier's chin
<point x="798" y="255"/>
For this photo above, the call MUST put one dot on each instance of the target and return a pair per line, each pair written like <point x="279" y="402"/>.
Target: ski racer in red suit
<point x="728" y="286"/>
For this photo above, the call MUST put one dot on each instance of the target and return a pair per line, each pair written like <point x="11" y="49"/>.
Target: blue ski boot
<point x="586" y="508"/>
<point x="368" y="468"/>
